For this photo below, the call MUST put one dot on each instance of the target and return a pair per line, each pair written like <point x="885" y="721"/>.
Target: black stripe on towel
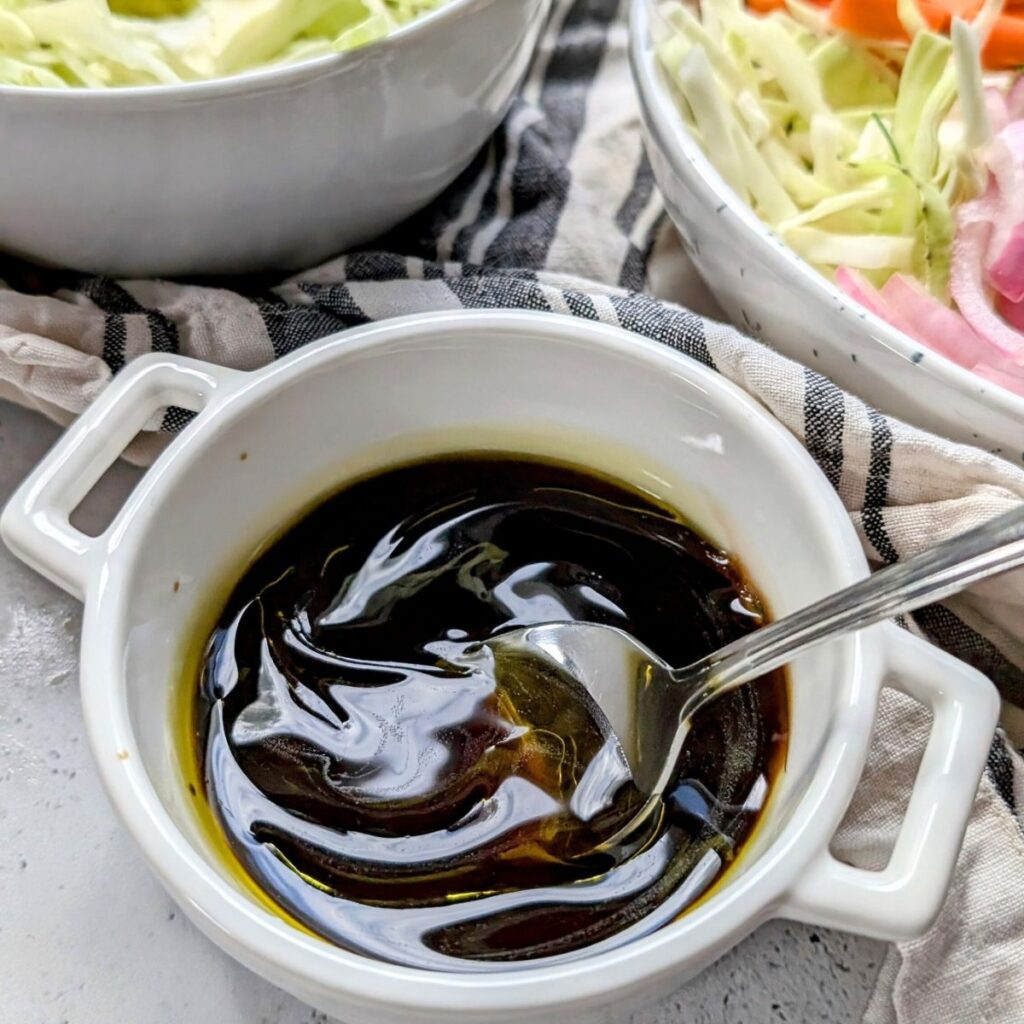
<point x="1001" y="771"/>
<point x="639" y="196"/>
<point x="824" y="417"/>
<point x="375" y="265"/>
<point x="492" y="292"/>
<point x="115" y="341"/>
<point x="291" y="327"/>
<point x="542" y="181"/>
<point x="117" y="303"/>
<point x="336" y="301"/>
<point x="876" y="489"/>
<point x="678" y="328"/>
<point x="634" y="268"/>
<point x="580" y="304"/>
<point x="177" y="419"/>
<point x="947" y="630"/>
<point x="633" y="273"/>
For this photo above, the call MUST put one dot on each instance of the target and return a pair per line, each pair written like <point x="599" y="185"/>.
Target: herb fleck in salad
<point x="883" y="140"/>
<point x="96" y="43"/>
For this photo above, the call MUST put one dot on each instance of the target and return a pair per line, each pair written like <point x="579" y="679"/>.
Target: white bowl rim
<point x="680" y="147"/>
<point x="251" y="80"/>
<point x="313" y="964"/>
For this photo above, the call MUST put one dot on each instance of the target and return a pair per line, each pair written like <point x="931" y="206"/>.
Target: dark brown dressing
<point x="407" y="808"/>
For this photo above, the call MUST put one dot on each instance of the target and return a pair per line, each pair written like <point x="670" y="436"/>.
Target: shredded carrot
<point x="943" y="11"/>
<point x="1005" y="47"/>
<point x="878" y="19"/>
<point x="875" y="19"/>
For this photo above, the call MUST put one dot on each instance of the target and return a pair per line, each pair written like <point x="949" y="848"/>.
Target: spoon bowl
<point x="649" y="706"/>
<point x="632" y="687"/>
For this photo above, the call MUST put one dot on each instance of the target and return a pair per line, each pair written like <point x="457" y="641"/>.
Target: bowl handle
<point x="902" y="901"/>
<point x="35" y="524"/>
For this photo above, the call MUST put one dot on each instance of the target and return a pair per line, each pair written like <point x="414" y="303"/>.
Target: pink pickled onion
<point x="861" y="290"/>
<point x="1006" y="271"/>
<point x="907" y="305"/>
<point x="1004" y="157"/>
<point x="967" y="286"/>
<point x="1012" y="312"/>
<point x="933" y="323"/>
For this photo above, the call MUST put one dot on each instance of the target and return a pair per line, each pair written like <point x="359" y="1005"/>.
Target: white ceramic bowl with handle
<point x="274" y="169"/>
<point x="265" y="444"/>
<point x="769" y="292"/>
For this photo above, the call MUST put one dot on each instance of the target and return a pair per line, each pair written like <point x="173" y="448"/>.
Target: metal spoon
<point x="650" y="705"/>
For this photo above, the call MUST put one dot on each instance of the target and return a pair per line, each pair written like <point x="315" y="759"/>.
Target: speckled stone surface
<point x="87" y="936"/>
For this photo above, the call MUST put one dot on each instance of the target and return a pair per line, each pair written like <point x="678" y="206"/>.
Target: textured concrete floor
<point x="88" y="937"/>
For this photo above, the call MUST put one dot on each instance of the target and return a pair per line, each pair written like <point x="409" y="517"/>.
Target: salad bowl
<point x="274" y="169"/>
<point x="772" y="294"/>
<point x="423" y="386"/>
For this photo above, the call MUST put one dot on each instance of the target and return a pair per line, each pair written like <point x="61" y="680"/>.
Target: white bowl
<point x="526" y="382"/>
<point x="275" y="169"/>
<point x="769" y="292"/>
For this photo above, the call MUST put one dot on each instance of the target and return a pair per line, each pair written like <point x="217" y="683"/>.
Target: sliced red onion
<point x="861" y="290"/>
<point x="967" y="286"/>
<point x="1006" y="271"/>
<point x="1011" y="312"/>
<point x="933" y="323"/>
<point x="1004" y="157"/>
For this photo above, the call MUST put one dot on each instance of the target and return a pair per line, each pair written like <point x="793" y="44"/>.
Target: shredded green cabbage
<point x="834" y="143"/>
<point x="89" y="43"/>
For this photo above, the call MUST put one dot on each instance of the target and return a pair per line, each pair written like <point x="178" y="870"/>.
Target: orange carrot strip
<point x="1005" y="47"/>
<point x="966" y="9"/>
<point x="878" y="19"/>
<point x="875" y="19"/>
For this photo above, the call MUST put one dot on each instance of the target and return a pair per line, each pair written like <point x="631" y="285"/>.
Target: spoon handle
<point x="927" y="577"/>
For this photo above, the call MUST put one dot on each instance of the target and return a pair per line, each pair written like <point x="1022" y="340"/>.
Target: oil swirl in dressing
<point x="406" y="808"/>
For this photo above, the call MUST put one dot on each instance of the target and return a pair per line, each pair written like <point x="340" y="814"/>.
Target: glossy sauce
<point x="402" y="806"/>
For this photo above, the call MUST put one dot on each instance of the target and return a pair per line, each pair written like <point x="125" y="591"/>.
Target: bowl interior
<point x="377" y="397"/>
<point x="260" y="76"/>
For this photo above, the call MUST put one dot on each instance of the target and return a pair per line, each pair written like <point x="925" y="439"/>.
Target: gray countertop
<point x="87" y="936"/>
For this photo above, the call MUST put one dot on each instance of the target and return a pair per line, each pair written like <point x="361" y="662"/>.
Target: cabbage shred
<point x="833" y="142"/>
<point x="90" y="43"/>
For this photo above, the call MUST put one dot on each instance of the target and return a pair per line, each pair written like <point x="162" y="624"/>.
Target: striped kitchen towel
<point x="560" y="212"/>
